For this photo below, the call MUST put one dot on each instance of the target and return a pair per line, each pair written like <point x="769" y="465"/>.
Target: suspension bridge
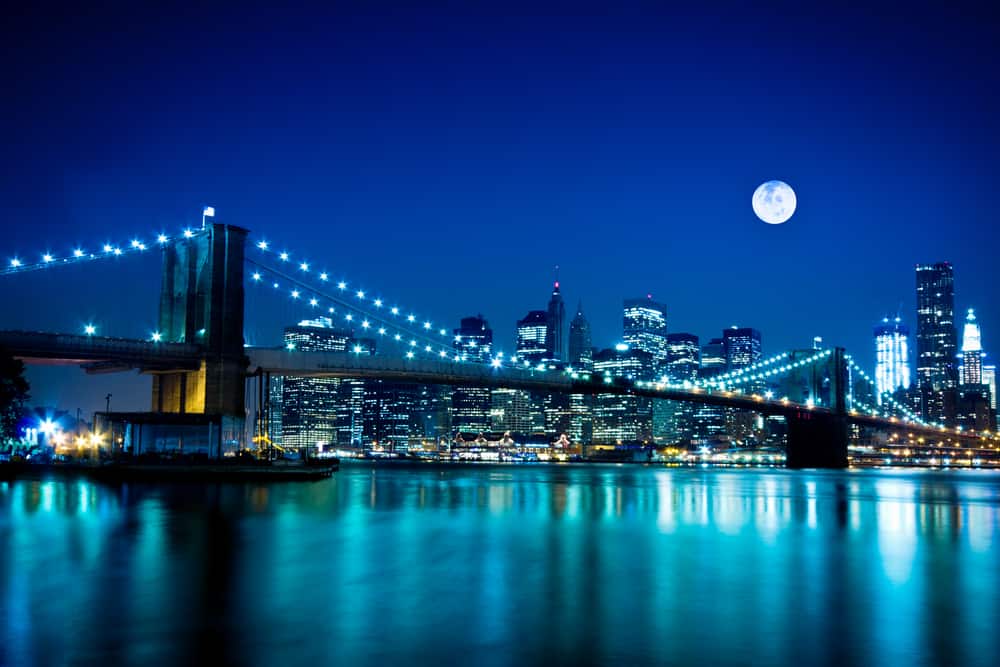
<point x="200" y="364"/>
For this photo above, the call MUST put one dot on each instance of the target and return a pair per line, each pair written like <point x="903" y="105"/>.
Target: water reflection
<point x="506" y="565"/>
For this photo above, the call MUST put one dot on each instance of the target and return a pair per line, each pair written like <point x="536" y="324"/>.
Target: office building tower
<point x="389" y="408"/>
<point x="972" y="351"/>
<point x="532" y="337"/>
<point x="742" y="347"/>
<point x="620" y="420"/>
<point x="309" y="405"/>
<point x="581" y="351"/>
<point x="683" y="357"/>
<point x="937" y="341"/>
<point x="892" y="357"/>
<point x="990" y="380"/>
<point x="470" y="406"/>
<point x="709" y="421"/>
<point x="644" y="324"/>
<point x="556" y="321"/>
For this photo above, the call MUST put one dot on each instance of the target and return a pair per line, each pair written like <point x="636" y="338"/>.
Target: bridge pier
<point x="816" y="440"/>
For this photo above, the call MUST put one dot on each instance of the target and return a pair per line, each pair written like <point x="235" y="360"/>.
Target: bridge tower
<point x="818" y="439"/>
<point x="201" y="302"/>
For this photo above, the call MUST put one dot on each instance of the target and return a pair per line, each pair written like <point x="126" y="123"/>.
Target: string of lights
<point x="49" y="259"/>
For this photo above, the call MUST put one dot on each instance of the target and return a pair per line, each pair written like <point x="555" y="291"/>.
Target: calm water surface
<point x="510" y="565"/>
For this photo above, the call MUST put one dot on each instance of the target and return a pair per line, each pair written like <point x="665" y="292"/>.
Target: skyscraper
<point x="309" y="405"/>
<point x="622" y="419"/>
<point x="937" y="340"/>
<point x="683" y="357"/>
<point x="742" y="347"/>
<point x="470" y="406"/>
<point x="972" y="351"/>
<point x="644" y="324"/>
<point x="892" y="357"/>
<point x="556" y="321"/>
<point x="581" y="352"/>
<point x="532" y="337"/>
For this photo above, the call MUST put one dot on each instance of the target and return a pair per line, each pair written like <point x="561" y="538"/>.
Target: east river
<point x="507" y="565"/>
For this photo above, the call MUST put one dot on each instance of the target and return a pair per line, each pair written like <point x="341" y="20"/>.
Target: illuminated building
<point x="990" y="380"/>
<point x="937" y="341"/>
<point x="892" y="357"/>
<point x="622" y="419"/>
<point x="389" y="408"/>
<point x="556" y="322"/>
<point x="644" y="323"/>
<point x="683" y="357"/>
<point x="673" y="421"/>
<point x="470" y="406"/>
<point x="709" y="421"/>
<point x="972" y="351"/>
<point x="581" y="352"/>
<point x="742" y="347"/>
<point x="309" y="405"/>
<point x="511" y="411"/>
<point x="532" y="337"/>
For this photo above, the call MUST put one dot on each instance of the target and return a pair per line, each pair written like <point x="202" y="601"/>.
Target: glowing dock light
<point x="90" y="329"/>
<point x="495" y="363"/>
<point x="157" y="336"/>
<point x="357" y="349"/>
<point x="290" y="346"/>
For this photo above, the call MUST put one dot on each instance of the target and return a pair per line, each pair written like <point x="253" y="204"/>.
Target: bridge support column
<point x="816" y="440"/>
<point x="201" y="302"/>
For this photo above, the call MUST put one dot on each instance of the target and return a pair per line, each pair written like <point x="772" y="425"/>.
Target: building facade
<point x="892" y="357"/>
<point x="937" y="375"/>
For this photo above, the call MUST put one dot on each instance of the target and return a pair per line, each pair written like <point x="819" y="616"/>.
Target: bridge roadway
<point x="280" y="362"/>
<point x="99" y="353"/>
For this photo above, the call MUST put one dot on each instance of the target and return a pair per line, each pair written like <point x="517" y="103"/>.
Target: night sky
<point x="448" y="158"/>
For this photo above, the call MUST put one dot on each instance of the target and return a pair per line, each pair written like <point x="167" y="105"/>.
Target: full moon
<point x="774" y="202"/>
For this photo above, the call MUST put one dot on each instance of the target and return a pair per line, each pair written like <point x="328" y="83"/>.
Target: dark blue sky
<point x="449" y="157"/>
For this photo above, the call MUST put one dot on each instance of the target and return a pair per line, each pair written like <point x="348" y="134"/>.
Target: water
<point x="512" y="565"/>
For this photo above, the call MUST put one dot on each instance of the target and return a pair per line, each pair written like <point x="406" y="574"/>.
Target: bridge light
<point x="188" y="233"/>
<point x="427" y="325"/>
<point x="427" y="349"/>
<point x="275" y="285"/>
<point x="313" y="302"/>
<point x="15" y="262"/>
<point x="413" y="343"/>
<point x="398" y="337"/>
<point x="304" y="266"/>
<point x="324" y="277"/>
<point x="295" y="294"/>
<point x="157" y="336"/>
<point x="394" y="310"/>
<point x="357" y="349"/>
<point x="769" y="394"/>
<point x="381" y="331"/>
<point x="443" y="354"/>
<point x="262" y="245"/>
<point x="290" y="346"/>
<point x="409" y="355"/>
<point x="457" y="338"/>
<point x="283" y="256"/>
<point x="378" y="303"/>
<point x="78" y="253"/>
<point x="46" y="258"/>
<point x="349" y="317"/>
<point x="90" y="329"/>
<point x="410" y="318"/>
<point x="117" y="251"/>
<point x="365" y="324"/>
<point x="360" y="294"/>
<point x="330" y="310"/>
<point x="135" y="243"/>
<point x="495" y="363"/>
<point x="341" y="285"/>
<point x="256" y="276"/>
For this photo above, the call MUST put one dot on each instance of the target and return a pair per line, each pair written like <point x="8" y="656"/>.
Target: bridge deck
<point x="100" y="352"/>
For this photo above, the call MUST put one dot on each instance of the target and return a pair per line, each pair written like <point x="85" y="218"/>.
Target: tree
<point x="13" y="394"/>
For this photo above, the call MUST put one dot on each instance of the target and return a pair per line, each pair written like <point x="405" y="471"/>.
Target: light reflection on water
<point x="507" y="565"/>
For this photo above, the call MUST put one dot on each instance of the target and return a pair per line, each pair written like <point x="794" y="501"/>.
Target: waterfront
<point x="504" y="565"/>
